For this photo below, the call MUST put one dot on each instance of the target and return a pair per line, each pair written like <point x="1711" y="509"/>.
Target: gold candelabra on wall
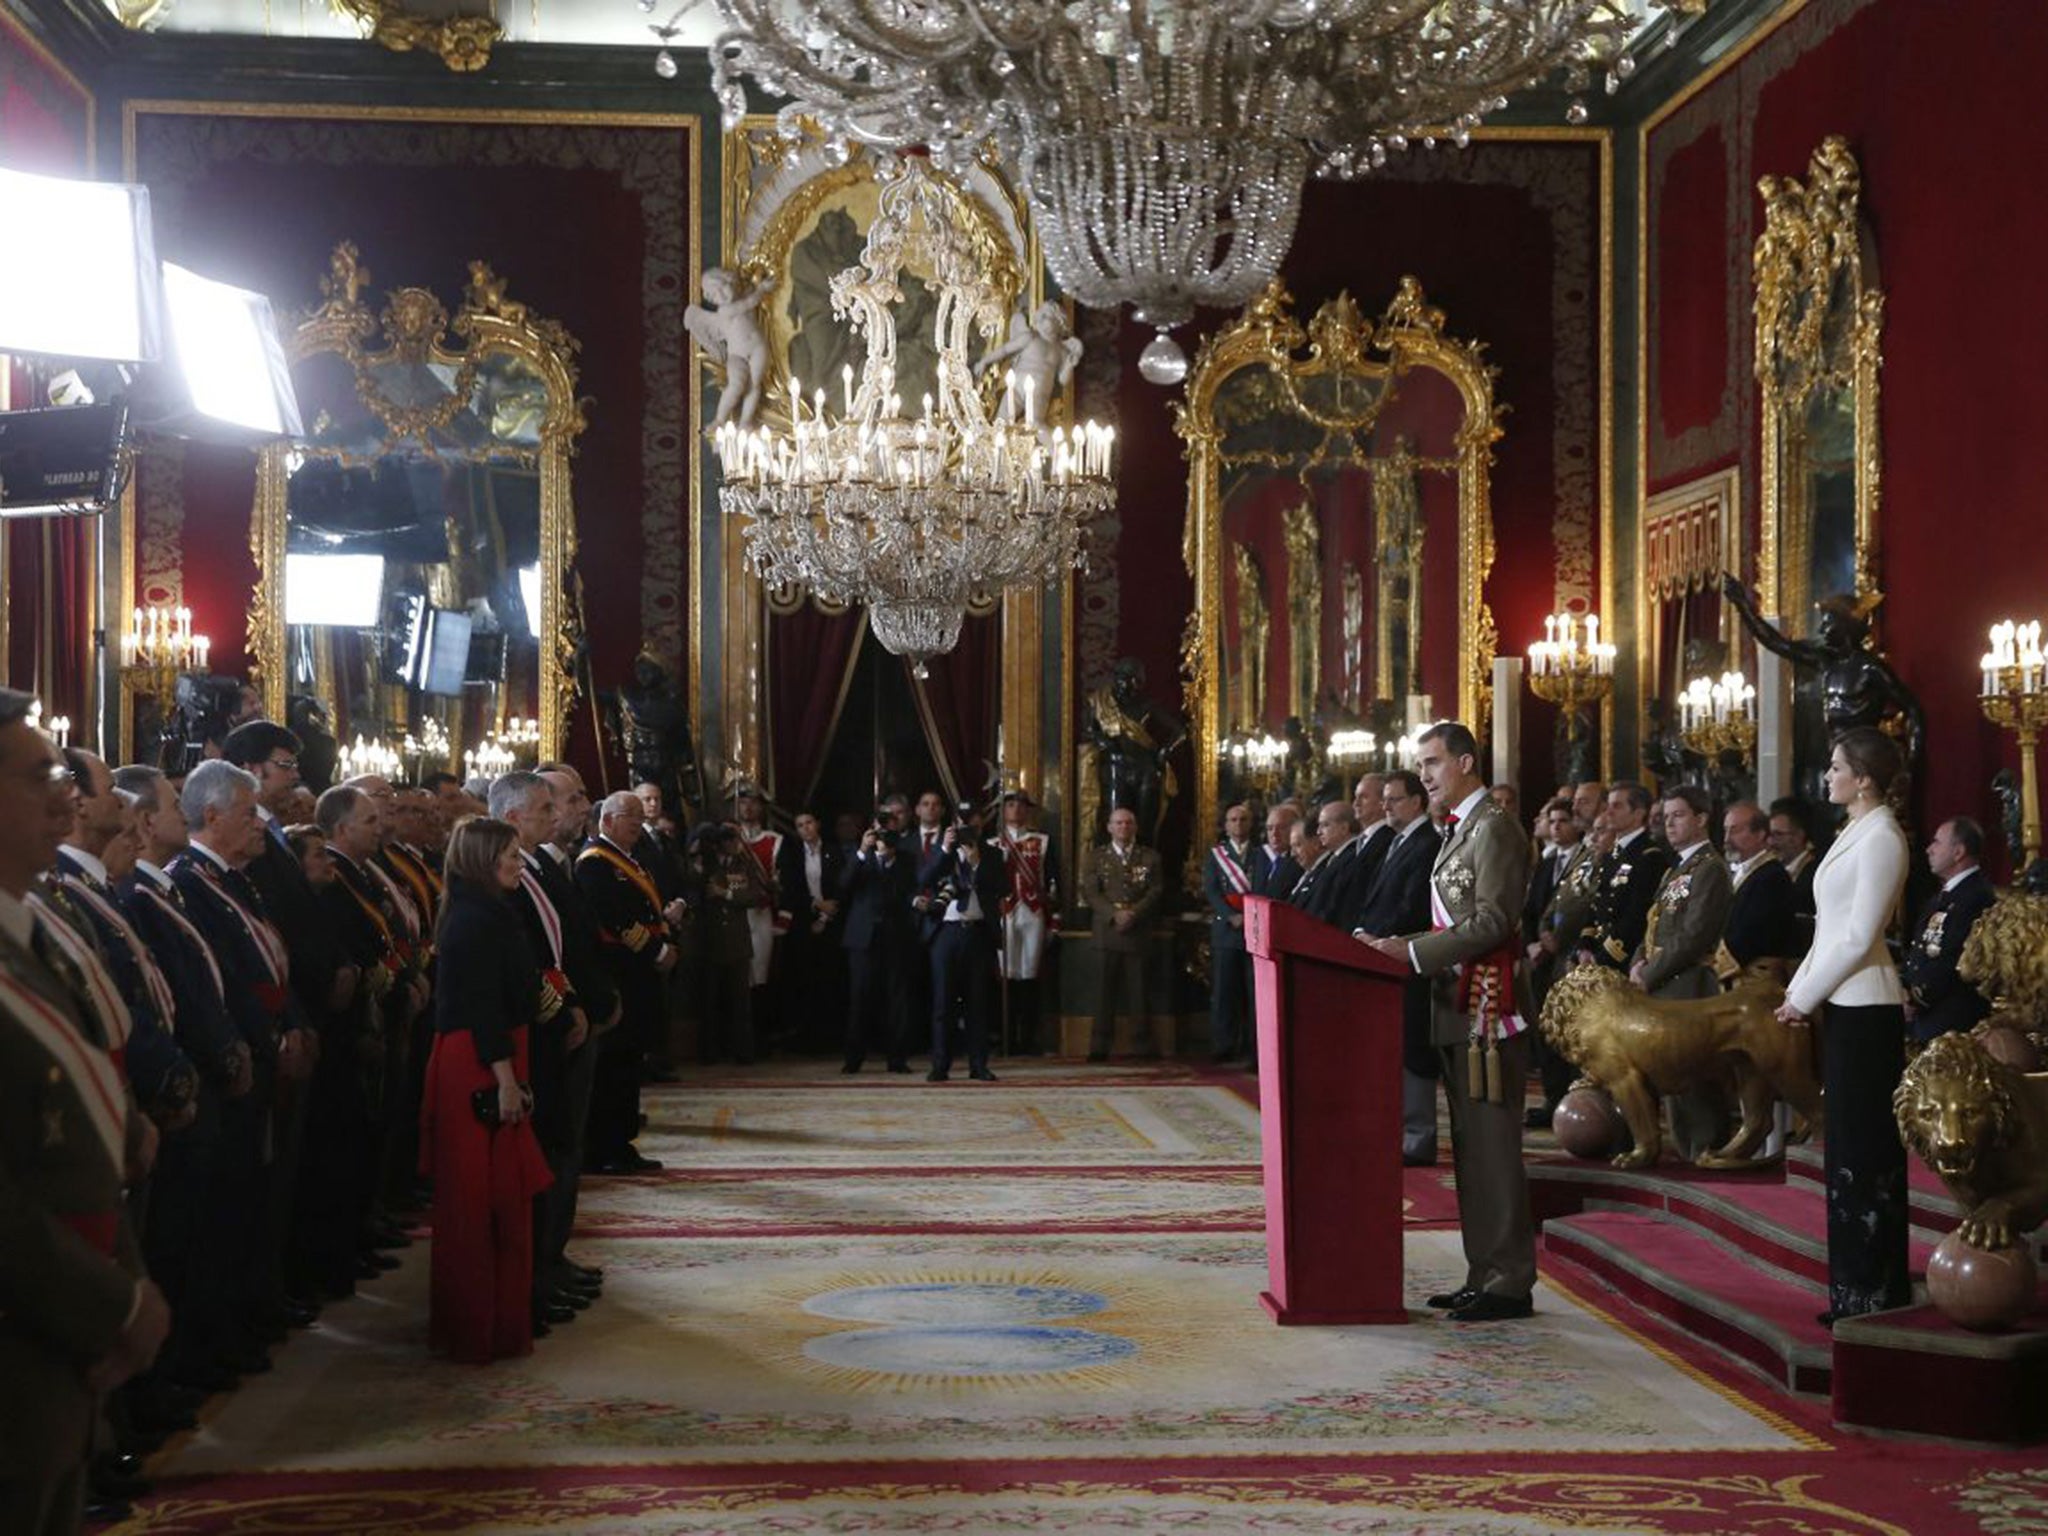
<point x="2013" y="691"/>
<point x="1717" y="717"/>
<point x="1570" y="666"/>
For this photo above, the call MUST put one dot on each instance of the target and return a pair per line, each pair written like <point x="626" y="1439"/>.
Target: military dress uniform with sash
<point x="69" y="1266"/>
<point x="1476" y="887"/>
<point x="1943" y="1001"/>
<point x="1680" y="936"/>
<point x="1030" y="919"/>
<point x="1229" y="875"/>
<point x="625" y="903"/>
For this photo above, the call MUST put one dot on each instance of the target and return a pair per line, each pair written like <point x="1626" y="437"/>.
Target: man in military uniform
<point x="1232" y="871"/>
<point x="1122" y="886"/>
<point x="1031" y="910"/>
<point x="1624" y="881"/>
<point x="1761" y="918"/>
<point x="1676" y="958"/>
<point x="1561" y="897"/>
<point x="1476" y="885"/>
<point x="1938" y="1000"/>
<point x="81" y="1317"/>
<point x="633" y="928"/>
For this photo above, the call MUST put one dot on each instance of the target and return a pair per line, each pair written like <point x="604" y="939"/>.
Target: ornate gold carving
<point x="1337" y="373"/>
<point x="1637" y="1047"/>
<point x="1819" y="316"/>
<point x="1982" y="1127"/>
<point x="463" y="43"/>
<point x="418" y="332"/>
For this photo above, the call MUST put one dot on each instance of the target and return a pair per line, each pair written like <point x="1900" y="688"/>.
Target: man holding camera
<point x="965" y="891"/>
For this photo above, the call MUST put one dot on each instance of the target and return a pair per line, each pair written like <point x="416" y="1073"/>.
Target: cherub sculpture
<point x="1045" y="354"/>
<point x="732" y="334"/>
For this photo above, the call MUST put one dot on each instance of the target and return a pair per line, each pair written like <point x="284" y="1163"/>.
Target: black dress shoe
<point x="849" y="1068"/>
<point x="206" y="1378"/>
<point x="367" y="1269"/>
<point x="298" y="1314"/>
<point x="639" y="1164"/>
<point x="1489" y="1308"/>
<point x="384" y="1262"/>
<point x="936" y="1076"/>
<point x="1827" y="1319"/>
<point x="591" y="1272"/>
<point x="571" y="1281"/>
<point x="1098" y="1055"/>
<point x="108" y="1511"/>
<point x="553" y="1312"/>
<point x="981" y="1075"/>
<point x="540" y="1328"/>
<point x="250" y="1361"/>
<point x="562" y="1296"/>
<point x="1537" y="1119"/>
<point x="1450" y="1301"/>
<point x="116" y="1476"/>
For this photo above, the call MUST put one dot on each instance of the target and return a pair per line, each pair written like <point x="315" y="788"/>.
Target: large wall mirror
<point x="1338" y="532"/>
<point x="413" y="550"/>
<point x="1819" y="315"/>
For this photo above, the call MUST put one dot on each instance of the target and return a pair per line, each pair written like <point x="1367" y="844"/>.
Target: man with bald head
<point x="634" y="934"/>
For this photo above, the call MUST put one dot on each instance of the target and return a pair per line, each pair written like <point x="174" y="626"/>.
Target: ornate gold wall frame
<point x="489" y="332"/>
<point x="1819" y="318"/>
<point x="463" y="43"/>
<point x="1310" y="368"/>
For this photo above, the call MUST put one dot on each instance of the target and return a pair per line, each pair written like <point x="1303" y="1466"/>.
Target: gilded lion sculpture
<point x="1983" y="1128"/>
<point x="2006" y="958"/>
<point x="1639" y="1047"/>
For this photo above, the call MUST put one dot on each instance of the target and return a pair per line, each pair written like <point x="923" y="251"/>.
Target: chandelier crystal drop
<point x="918" y="513"/>
<point x="1163" y="143"/>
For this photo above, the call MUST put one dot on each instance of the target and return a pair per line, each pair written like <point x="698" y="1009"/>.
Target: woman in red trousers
<point x="475" y="1140"/>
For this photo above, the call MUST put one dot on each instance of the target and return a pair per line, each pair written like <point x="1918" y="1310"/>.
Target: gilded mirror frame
<point x="414" y="327"/>
<point x="1815" y="249"/>
<point x="1338" y="340"/>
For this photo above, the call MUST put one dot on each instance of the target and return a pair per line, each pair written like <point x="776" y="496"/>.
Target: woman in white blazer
<point x="1850" y="970"/>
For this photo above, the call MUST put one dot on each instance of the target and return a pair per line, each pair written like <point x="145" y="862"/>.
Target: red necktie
<point x="1450" y="820"/>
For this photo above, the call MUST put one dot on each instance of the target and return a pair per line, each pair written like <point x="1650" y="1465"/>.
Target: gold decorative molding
<point x="1338" y="345"/>
<point x="417" y="331"/>
<point x="463" y="43"/>
<point x="1819" y="318"/>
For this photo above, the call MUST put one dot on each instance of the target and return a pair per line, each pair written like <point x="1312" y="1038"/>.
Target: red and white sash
<point x="268" y="941"/>
<point x="1027" y="870"/>
<point x="161" y="998"/>
<point x="550" y="919"/>
<point x="170" y="909"/>
<point x="91" y="1071"/>
<point x="99" y="986"/>
<point x="1234" y="874"/>
<point x="1487" y="983"/>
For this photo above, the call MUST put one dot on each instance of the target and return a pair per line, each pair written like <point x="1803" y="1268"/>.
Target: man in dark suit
<point x="1625" y="880"/>
<point x="81" y="1316"/>
<point x="1762" y="920"/>
<point x="1937" y="1000"/>
<point x="807" y="877"/>
<point x="1469" y="952"/>
<point x="1282" y="869"/>
<point x="1320" y="891"/>
<point x="967" y="888"/>
<point x="875" y="888"/>
<point x="1234" y="869"/>
<point x="1398" y="902"/>
<point x="633" y="928"/>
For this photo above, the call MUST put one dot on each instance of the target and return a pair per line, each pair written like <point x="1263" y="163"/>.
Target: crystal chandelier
<point x="1163" y="143"/>
<point x="919" y="517"/>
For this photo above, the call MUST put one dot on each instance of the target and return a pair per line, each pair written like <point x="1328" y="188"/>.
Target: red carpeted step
<point x="1754" y="1312"/>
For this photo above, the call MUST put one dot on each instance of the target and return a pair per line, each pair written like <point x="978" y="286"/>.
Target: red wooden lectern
<point x="1330" y="1113"/>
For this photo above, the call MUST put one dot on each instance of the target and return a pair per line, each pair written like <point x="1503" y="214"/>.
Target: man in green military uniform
<point x="1122" y="885"/>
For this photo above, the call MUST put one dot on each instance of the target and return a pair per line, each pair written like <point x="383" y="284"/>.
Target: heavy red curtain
<point x="811" y="658"/>
<point x="960" y="705"/>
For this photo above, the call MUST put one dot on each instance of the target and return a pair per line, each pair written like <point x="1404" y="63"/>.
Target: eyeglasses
<point x="291" y="763"/>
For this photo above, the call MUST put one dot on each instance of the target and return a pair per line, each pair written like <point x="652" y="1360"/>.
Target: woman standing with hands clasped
<point x="1856" y="891"/>
<point x="475" y="1139"/>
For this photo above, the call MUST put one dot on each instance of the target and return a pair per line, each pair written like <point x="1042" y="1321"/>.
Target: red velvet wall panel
<point x="1691" y="286"/>
<point x="1505" y="238"/>
<point x="263" y="200"/>
<point x="1941" y="105"/>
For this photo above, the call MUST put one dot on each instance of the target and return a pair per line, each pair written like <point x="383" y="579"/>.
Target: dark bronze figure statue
<point x="1858" y="686"/>
<point x="1133" y="740"/>
<point x="652" y="718"/>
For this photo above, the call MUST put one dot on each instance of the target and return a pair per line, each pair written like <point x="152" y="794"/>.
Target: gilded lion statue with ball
<point x="1640" y="1048"/>
<point x="1983" y="1127"/>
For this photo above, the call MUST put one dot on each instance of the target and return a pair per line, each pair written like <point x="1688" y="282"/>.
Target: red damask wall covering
<point x="1941" y="106"/>
<point x="590" y="224"/>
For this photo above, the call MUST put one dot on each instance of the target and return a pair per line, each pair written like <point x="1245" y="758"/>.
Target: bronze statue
<point x="1858" y="686"/>
<point x="2005" y="789"/>
<point x="1983" y="1127"/>
<point x="1133" y="740"/>
<point x="1639" y="1047"/>
<point x="652" y="719"/>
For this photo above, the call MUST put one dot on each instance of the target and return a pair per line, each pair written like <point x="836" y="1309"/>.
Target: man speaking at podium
<point x="1476" y="887"/>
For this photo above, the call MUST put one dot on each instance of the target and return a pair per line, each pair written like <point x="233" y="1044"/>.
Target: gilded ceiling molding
<point x="463" y="43"/>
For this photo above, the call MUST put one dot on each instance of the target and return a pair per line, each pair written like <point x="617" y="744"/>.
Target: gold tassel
<point x="1475" y="1072"/>
<point x="1495" y="1094"/>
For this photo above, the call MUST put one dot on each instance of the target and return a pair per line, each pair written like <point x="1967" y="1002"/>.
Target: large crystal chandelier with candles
<point x="1163" y="143"/>
<point x="919" y="511"/>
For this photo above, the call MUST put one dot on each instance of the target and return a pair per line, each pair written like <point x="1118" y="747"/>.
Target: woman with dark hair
<point x="1856" y="892"/>
<point x="475" y="1141"/>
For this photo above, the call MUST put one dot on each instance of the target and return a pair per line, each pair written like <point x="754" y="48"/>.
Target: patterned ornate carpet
<point x="880" y="1305"/>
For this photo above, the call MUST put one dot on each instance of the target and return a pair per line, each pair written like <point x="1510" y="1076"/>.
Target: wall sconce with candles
<point x="1571" y="666"/>
<point x="1254" y="762"/>
<point x="366" y="757"/>
<point x="1718" y="717"/>
<point x="1352" y="749"/>
<point x="489" y="762"/>
<point x="2013" y="690"/>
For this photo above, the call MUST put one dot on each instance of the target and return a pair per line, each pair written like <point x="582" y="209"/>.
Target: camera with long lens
<point x="203" y="711"/>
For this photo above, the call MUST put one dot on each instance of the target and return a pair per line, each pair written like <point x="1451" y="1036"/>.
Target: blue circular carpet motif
<point x="964" y="1329"/>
